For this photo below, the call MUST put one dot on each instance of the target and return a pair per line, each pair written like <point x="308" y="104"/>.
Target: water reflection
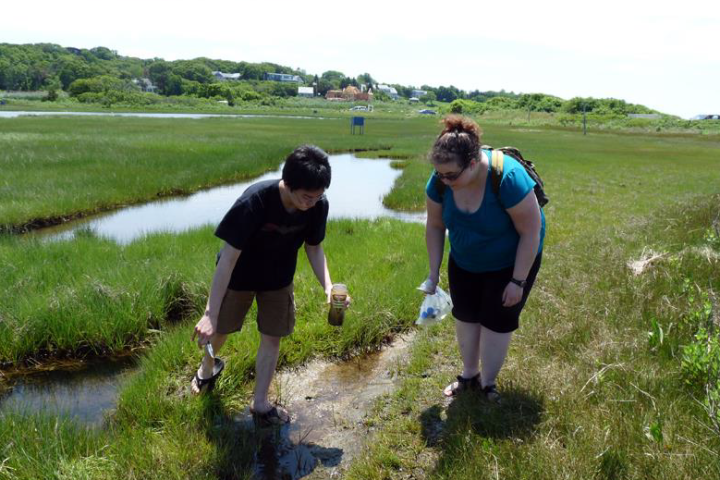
<point x="194" y="116"/>
<point x="84" y="394"/>
<point x="358" y="186"/>
<point x="277" y="457"/>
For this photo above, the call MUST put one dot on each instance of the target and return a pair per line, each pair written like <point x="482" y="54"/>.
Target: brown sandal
<point x="462" y="384"/>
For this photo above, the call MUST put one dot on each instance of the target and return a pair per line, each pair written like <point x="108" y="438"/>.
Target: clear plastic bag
<point x="434" y="308"/>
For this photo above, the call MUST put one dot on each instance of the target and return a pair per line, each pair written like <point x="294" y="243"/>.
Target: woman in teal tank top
<point x="495" y="248"/>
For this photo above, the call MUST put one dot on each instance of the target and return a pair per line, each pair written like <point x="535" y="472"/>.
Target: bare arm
<point x="318" y="262"/>
<point x="527" y="221"/>
<point x="434" y="240"/>
<point x="205" y="328"/>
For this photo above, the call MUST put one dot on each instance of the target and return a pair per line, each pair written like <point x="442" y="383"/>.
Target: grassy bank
<point x="58" y="168"/>
<point x="589" y="395"/>
<point x="601" y="382"/>
<point x="155" y="401"/>
<point x="92" y="296"/>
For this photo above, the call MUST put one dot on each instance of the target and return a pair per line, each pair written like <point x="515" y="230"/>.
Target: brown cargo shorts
<point x="275" y="311"/>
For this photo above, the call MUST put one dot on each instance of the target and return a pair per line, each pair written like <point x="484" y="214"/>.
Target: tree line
<point x="101" y="75"/>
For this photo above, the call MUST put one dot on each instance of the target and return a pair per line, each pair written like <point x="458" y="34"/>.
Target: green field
<point x="604" y="378"/>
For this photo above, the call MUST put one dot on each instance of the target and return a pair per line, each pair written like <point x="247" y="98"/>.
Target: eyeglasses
<point x="451" y="177"/>
<point x="310" y="199"/>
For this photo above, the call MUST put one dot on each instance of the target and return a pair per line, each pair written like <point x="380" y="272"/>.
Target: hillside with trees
<point x="102" y="76"/>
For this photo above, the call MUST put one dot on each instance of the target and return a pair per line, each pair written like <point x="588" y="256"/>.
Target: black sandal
<point x="209" y="383"/>
<point x="491" y="394"/>
<point x="462" y="385"/>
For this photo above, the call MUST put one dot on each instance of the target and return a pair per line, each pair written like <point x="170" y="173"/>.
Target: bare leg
<point x="206" y="367"/>
<point x="468" y="338"/>
<point x="493" y="350"/>
<point x="265" y="365"/>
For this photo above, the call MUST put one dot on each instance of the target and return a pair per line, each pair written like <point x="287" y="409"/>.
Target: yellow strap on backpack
<point x="498" y="160"/>
<point x="496" y="172"/>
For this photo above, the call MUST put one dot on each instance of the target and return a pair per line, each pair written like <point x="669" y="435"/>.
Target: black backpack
<point x="496" y="173"/>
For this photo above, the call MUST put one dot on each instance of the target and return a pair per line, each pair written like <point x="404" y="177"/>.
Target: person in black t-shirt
<point x="263" y="232"/>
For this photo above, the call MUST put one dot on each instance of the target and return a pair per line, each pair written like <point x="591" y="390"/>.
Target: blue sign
<point x="357" y="122"/>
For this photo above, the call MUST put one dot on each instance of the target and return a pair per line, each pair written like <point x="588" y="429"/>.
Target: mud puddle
<point x="328" y="403"/>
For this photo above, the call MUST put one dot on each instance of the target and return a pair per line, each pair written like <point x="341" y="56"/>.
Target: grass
<point x="155" y="400"/>
<point x="588" y="395"/>
<point x="58" y="168"/>
<point x="92" y="296"/>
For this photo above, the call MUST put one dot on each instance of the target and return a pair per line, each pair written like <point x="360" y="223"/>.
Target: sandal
<point x="275" y="416"/>
<point x="462" y="384"/>
<point x="491" y="394"/>
<point x="209" y="383"/>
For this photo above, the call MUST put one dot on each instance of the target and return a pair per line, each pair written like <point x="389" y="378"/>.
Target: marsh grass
<point x="60" y="168"/>
<point x="589" y="396"/>
<point x="156" y="418"/>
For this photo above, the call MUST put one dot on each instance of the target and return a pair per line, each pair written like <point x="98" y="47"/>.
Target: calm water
<point x="357" y="188"/>
<point x="84" y="394"/>
<point x="6" y="114"/>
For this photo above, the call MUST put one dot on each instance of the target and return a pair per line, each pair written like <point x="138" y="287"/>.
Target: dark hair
<point x="307" y="168"/>
<point x="458" y="142"/>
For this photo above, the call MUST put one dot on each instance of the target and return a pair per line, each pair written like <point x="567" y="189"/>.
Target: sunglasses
<point x="451" y="177"/>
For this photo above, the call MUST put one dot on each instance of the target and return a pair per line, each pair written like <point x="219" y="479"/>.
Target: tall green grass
<point x="58" y="168"/>
<point x="160" y="431"/>
<point x="588" y="394"/>
<point x="91" y="295"/>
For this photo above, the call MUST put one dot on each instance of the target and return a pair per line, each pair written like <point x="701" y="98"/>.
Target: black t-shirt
<point x="269" y="236"/>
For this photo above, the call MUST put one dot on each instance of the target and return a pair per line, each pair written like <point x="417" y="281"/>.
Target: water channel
<point x="314" y="439"/>
<point x="194" y="116"/>
<point x="356" y="191"/>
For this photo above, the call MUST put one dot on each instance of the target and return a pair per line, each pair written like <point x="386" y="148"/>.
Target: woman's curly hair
<point x="458" y="142"/>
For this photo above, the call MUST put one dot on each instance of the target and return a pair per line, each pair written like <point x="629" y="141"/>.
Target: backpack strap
<point x="496" y="172"/>
<point x="439" y="187"/>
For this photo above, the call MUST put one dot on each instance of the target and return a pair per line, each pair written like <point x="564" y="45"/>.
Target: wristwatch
<point x="519" y="283"/>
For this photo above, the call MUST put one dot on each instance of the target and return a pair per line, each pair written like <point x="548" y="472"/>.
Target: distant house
<point x="308" y="92"/>
<point x="334" y="95"/>
<point x="418" y="93"/>
<point x="145" y="85"/>
<point x="706" y="117"/>
<point x="224" y="77"/>
<point x="390" y="91"/>
<point x="350" y="94"/>
<point x="651" y="116"/>
<point x="282" y="77"/>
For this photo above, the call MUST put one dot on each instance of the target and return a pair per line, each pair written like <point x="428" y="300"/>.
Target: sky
<point x="661" y="54"/>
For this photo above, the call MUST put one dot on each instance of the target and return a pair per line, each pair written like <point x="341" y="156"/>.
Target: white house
<point x="306" y="92"/>
<point x="390" y="91"/>
<point x="226" y="76"/>
<point x="282" y="77"/>
<point x="418" y="93"/>
<point x="145" y="85"/>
